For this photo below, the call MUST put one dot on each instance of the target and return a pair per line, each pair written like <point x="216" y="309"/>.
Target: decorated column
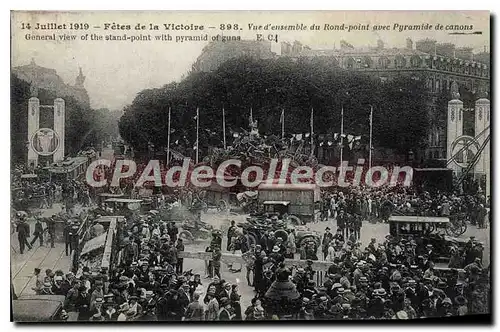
<point x="482" y="123"/>
<point x="33" y="125"/>
<point x="455" y="129"/>
<point x="59" y="116"/>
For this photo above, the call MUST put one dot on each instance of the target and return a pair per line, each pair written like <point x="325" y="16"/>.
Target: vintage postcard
<point x="250" y="166"/>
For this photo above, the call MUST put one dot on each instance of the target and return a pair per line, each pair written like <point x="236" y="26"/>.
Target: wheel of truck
<point x="431" y="227"/>
<point x="222" y="206"/>
<point x="463" y="227"/>
<point x="294" y="220"/>
<point x="305" y="240"/>
<point x="186" y="237"/>
<point x="453" y="230"/>
<point x="282" y="234"/>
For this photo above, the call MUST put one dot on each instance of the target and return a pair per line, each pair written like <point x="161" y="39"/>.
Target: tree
<point x="268" y="86"/>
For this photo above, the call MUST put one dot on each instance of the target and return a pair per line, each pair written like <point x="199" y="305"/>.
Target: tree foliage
<point x="268" y="86"/>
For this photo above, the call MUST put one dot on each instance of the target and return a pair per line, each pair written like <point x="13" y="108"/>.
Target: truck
<point x="296" y="200"/>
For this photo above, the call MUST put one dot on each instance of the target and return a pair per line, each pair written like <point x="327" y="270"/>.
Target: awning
<point x="285" y="203"/>
<point x="94" y="244"/>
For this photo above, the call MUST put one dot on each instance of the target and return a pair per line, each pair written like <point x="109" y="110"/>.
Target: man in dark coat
<point x="51" y="227"/>
<point x="67" y="237"/>
<point x="173" y="231"/>
<point x="180" y="261"/>
<point x="327" y="238"/>
<point x="83" y="304"/>
<point x="216" y="257"/>
<point x="230" y="233"/>
<point x="23" y="231"/>
<point x="38" y="233"/>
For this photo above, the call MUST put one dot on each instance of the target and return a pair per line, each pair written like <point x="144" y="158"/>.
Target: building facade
<point x="442" y="64"/>
<point x="46" y="78"/>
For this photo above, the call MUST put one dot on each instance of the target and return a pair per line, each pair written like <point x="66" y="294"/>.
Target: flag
<point x="349" y="138"/>
<point x="357" y="138"/>
<point x="335" y="136"/>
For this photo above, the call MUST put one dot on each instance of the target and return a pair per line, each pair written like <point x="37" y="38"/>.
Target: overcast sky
<point x="116" y="70"/>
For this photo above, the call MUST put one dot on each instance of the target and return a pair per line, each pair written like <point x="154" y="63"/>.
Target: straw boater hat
<point x="401" y="315"/>
<point x="124" y="307"/>
<point x="276" y="249"/>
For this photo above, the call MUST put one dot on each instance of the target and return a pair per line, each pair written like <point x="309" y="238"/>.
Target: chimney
<point x="409" y="44"/>
<point x="380" y="44"/>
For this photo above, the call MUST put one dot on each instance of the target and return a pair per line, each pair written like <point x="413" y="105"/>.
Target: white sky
<point x="117" y="70"/>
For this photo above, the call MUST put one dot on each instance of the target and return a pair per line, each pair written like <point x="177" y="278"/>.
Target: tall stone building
<point x="441" y="64"/>
<point x="46" y="78"/>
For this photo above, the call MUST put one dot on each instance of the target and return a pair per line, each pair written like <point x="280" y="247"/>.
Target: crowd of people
<point x="396" y="279"/>
<point x="335" y="280"/>
<point x="377" y="204"/>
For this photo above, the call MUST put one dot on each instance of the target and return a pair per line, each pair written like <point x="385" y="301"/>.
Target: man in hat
<point x="38" y="233"/>
<point x="231" y="232"/>
<point x="291" y="246"/>
<point x="325" y="243"/>
<point x="96" y="293"/>
<point x="83" y="304"/>
<point x="183" y="296"/>
<point x="212" y="306"/>
<point x="23" y="232"/>
<point x="172" y="231"/>
<point x="61" y="286"/>
<point x="225" y="310"/>
<point x="216" y="261"/>
<point x="341" y="225"/>
<point x="51" y="228"/>
<point x="131" y="252"/>
<point x="180" y="260"/>
<point x="195" y="310"/>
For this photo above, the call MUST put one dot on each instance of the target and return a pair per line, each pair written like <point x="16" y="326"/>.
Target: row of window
<point x="415" y="62"/>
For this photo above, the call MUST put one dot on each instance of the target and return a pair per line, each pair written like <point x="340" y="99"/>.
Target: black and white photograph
<point x="244" y="166"/>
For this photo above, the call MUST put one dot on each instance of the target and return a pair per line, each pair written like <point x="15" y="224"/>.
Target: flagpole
<point x="371" y="131"/>
<point x="168" y="137"/>
<point x="224" y="126"/>
<point x="341" y="136"/>
<point x="312" y="130"/>
<point x="251" y="116"/>
<point x="197" y="133"/>
<point x="282" y="123"/>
